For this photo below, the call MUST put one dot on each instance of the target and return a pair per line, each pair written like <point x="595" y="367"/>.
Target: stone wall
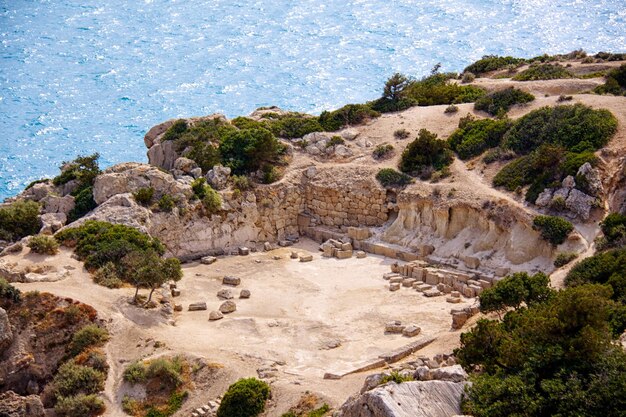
<point x="345" y="197"/>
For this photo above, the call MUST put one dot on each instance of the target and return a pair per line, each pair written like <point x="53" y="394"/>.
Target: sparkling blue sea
<point x="78" y="77"/>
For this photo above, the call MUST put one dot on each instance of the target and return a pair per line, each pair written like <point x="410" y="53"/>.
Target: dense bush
<point x="564" y="258"/>
<point x="437" y="89"/>
<point x="144" y="196"/>
<point x="389" y="177"/>
<point x="83" y="169"/>
<point x="551" y="358"/>
<point x="169" y="371"/>
<point x="425" y="152"/>
<point x="451" y="109"/>
<point x="83" y="204"/>
<point x="72" y="379"/>
<point x="543" y="72"/>
<point x="166" y="203"/>
<point x="9" y="292"/>
<point x="80" y="405"/>
<point x="107" y="276"/>
<point x="334" y="141"/>
<point x="568" y="125"/>
<point x="43" y="244"/>
<point x="553" y="229"/>
<point x="615" y="82"/>
<point x="501" y="101"/>
<point x="212" y="201"/>
<point x="199" y="187"/>
<point x="350" y="114"/>
<point x="19" y="219"/>
<point x="614" y="229"/>
<point x="514" y="290"/>
<point x="89" y="336"/>
<point x="490" y="63"/>
<point x="401" y="134"/>
<point x="248" y="150"/>
<point x="382" y="151"/>
<point x="244" y="398"/>
<point x="475" y="136"/>
<point x="607" y="267"/>
<point x="295" y="126"/>
<point x="241" y="183"/>
<point x="100" y="242"/>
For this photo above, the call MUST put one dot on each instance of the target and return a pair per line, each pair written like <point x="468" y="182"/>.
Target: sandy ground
<point x="297" y="312"/>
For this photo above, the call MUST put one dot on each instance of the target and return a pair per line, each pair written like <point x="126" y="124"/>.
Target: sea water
<point x="84" y="76"/>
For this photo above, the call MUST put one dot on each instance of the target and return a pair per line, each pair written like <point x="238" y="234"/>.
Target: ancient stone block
<point x="175" y="292"/>
<point x="390" y="275"/>
<point x="233" y="281"/>
<point x="360" y="254"/>
<point x="408" y="282"/>
<point x="433" y="292"/>
<point x="243" y="251"/>
<point x="358" y="233"/>
<point x="344" y="254"/>
<point x="306" y="258"/>
<point x="411" y="330"/>
<point x="423" y="287"/>
<point x="394" y="286"/>
<point x="394" y="327"/>
<point x="208" y="260"/>
<point x="228" y="307"/>
<point x="197" y="306"/>
<point x="225" y="294"/>
<point x="244" y="293"/>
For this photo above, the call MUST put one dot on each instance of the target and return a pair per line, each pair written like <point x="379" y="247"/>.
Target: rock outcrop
<point x="13" y="405"/>
<point x="6" y="334"/>
<point x="408" y="399"/>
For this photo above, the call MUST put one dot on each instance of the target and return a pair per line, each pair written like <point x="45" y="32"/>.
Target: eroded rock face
<point x="13" y="405"/>
<point x="409" y="399"/>
<point x="131" y="176"/>
<point x="6" y="334"/>
<point x="591" y="178"/>
<point x="218" y="177"/>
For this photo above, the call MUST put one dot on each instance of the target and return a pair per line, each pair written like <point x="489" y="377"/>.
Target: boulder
<point x="244" y="293"/>
<point x="349" y="134"/>
<point x="38" y="191"/>
<point x="52" y="222"/>
<point x="225" y="294"/>
<point x="208" y="260"/>
<point x="545" y="198"/>
<point x="185" y="165"/>
<point x="228" y="307"/>
<point x="232" y="281"/>
<point x="371" y="382"/>
<point x="394" y="327"/>
<point x="6" y="334"/>
<point x="411" y="330"/>
<point x="580" y="203"/>
<point x="590" y="179"/>
<point x="453" y="373"/>
<point x="360" y="254"/>
<point x="408" y="399"/>
<point x="422" y="373"/>
<point x="56" y="204"/>
<point x="568" y="182"/>
<point x="218" y="177"/>
<point x="343" y="151"/>
<point x="215" y="315"/>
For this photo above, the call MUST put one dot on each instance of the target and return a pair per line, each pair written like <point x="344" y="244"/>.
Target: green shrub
<point x="396" y="377"/>
<point x="563" y="258"/>
<point x="319" y="412"/>
<point x="100" y="242"/>
<point x="19" y="219"/>
<point x="42" y="244"/>
<point x="382" y="151"/>
<point x="502" y="101"/>
<point x="334" y="141"/>
<point x="136" y="372"/>
<point x="514" y="290"/>
<point x="543" y="72"/>
<point x="607" y="267"/>
<point x="425" y="152"/>
<point x="478" y="135"/>
<point x="244" y="398"/>
<point x="451" y="109"/>
<point x="89" y="336"/>
<point x="166" y="203"/>
<point x="270" y="174"/>
<point x="83" y="169"/>
<point x="553" y="229"/>
<point x="468" y="77"/>
<point x="80" y="406"/>
<point x="498" y="154"/>
<point x="241" y="182"/>
<point x="567" y="125"/>
<point x="166" y="370"/>
<point x="609" y="56"/>
<point x="401" y="134"/>
<point x="144" y="196"/>
<point x="490" y="63"/>
<point x="552" y="358"/>
<point x="107" y="276"/>
<point x="437" y="89"/>
<point x="212" y="201"/>
<point x="83" y="204"/>
<point x="199" y="187"/>
<point x="246" y="151"/>
<point x="295" y="126"/>
<point x="389" y="177"/>
<point x="615" y="82"/>
<point x="9" y="292"/>
<point x="614" y="229"/>
<point x="176" y="130"/>
<point x="205" y="155"/>
<point x="350" y="114"/>
<point x="72" y="379"/>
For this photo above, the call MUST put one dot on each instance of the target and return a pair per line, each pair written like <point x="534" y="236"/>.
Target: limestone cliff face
<point x="496" y="234"/>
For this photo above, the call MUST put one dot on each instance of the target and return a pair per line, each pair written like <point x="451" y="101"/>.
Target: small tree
<point x="148" y="270"/>
<point x="424" y="152"/>
<point x="244" y="398"/>
<point x="395" y="86"/>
